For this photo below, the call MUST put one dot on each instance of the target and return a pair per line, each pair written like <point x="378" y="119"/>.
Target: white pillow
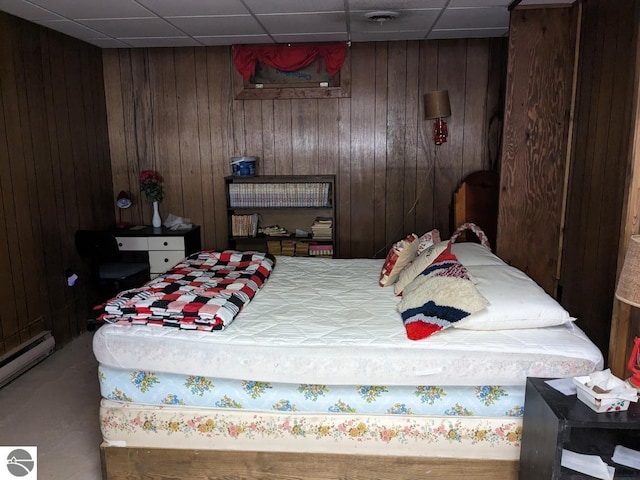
<point x="470" y="253"/>
<point x="515" y="301"/>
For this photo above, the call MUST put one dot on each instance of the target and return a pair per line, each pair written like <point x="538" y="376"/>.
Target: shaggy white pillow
<point x="419" y="264"/>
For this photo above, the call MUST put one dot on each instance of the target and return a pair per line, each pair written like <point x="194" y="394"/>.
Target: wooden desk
<point x="163" y="248"/>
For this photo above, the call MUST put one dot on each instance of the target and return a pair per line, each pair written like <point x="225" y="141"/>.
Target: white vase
<point x="157" y="221"/>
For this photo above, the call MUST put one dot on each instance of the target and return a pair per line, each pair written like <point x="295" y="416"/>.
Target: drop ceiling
<point x="177" y="23"/>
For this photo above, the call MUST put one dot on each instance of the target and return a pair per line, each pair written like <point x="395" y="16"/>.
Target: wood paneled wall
<point x="173" y="110"/>
<point x="600" y="167"/>
<point x="55" y="176"/>
<point x="536" y="135"/>
<point x="549" y="138"/>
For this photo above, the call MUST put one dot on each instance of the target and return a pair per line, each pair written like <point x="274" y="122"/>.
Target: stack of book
<point x="320" y="250"/>
<point x="322" y="228"/>
<point x="302" y="249"/>
<point x="313" y="194"/>
<point x="288" y="247"/>
<point x="244" y="225"/>
<point x="274" y="247"/>
<point x="274" y="231"/>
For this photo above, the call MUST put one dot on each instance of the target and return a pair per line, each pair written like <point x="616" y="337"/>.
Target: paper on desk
<point x="587" y="464"/>
<point x="563" y="385"/>
<point x="627" y="457"/>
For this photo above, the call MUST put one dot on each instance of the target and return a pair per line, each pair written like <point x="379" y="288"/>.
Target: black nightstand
<point x="553" y="421"/>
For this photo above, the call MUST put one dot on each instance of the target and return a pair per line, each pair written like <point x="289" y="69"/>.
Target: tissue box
<point x="600" y="402"/>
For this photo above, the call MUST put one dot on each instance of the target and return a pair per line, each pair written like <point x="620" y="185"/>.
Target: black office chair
<point x="109" y="274"/>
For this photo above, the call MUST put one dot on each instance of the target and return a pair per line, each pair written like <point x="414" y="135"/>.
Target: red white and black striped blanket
<point x="206" y="291"/>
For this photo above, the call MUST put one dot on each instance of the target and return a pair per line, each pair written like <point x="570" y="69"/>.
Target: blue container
<point x="243" y="166"/>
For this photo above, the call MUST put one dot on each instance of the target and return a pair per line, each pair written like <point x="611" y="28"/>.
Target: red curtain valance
<point x="289" y="59"/>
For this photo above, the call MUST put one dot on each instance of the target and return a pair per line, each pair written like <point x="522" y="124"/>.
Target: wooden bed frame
<point x="129" y="463"/>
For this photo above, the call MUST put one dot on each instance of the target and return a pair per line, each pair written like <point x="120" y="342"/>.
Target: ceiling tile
<point x="94" y="9"/>
<point x="194" y="8"/>
<point x="332" y="22"/>
<point x="386" y="36"/>
<point x="227" y="22"/>
<point x="74" y="29"/>
<point x="234" y="39"/>
<point x="463" y="18"/>
<point x="407" y="20"/>
<point x="539" y="2"/>
<point x="488" y="3"/>
<point x="395" y="5"/>
<point x="311" y="38"/>
<point x="134" y="27"/>
<point x="107" y="43"/>
<point x="294" y="6"/>
<point x="216" y="26"/>
<point x="149" y="42"/>
<point x="27" y="10"/>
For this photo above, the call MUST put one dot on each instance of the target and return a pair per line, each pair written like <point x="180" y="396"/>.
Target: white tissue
<point x="626" y="456"/>
<point x="612" y="385"/>
<point x="173" y="222"/>
<point x="588" y="464"/>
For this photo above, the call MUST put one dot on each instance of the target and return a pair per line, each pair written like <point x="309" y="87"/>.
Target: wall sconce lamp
<point x="628" y="291"/>
<point x="436" y="105"/>
<point x="123" y="201"/>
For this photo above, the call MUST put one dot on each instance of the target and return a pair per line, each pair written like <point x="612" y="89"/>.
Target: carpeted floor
<point x="54" y="406"/>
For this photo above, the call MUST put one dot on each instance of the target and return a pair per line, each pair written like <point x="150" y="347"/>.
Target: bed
<point x="317" y="377"/>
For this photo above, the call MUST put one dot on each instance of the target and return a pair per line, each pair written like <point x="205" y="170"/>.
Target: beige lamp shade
<point x="628" y="290"/>
<point x="436" y="104"/>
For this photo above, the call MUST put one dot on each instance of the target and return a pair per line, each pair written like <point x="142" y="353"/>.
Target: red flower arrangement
<point x="151" y="185"/>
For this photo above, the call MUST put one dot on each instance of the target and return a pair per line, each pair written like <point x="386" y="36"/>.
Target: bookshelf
<point x="271" y="212"/>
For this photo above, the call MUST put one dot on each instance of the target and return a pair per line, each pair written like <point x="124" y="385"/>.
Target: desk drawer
<point x="166" y="243"/>
<point x="161" y="261"/>
<point x="132" y="243"/>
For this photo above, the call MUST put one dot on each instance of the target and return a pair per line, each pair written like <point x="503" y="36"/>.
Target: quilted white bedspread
<point x="327" y="321"/>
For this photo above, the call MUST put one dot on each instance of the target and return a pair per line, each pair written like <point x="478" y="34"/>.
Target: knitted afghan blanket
<point x="206" y="291"/>
<point x="440" y="296"/>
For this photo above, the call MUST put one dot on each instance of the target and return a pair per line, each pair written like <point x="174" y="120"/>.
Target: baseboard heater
<point x="17" y="361"/>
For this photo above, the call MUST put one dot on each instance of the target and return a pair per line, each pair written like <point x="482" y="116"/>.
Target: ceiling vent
<point x="381" y="16"/>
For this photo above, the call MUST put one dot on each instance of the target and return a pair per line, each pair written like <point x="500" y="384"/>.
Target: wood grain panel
<point x="450" y="155"/>
<point x="53" y="158"/>
<point x="533" y="163"/>
<point x="328" y="152"/>
<point x="282" y="114"/>
<point x="267" y="164"/>
<point x="381" y="241"/>
<point x="395" y="97"/>
<point x="375" y="142"/>
<point x="220" y="98"/>
<point x="126" y="463"/>
<point x="188" y="121"/>
<point x="304" y="135"/>
<point x="475" y="104"/>
<point x="427" y="149"/>
<point x="600" y="170"/>
<point x="413" y="122"/>
<point x="253" y="135"/>
<point x="363" y="90"/>
<point x="13" y="300"/>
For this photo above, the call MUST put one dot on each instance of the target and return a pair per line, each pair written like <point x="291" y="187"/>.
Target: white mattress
<point x="316" y="321"/>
